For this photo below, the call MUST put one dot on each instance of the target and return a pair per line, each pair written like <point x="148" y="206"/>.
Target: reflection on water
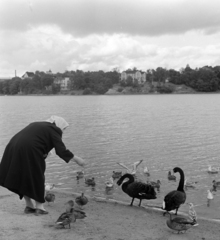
<point x="164" y="130"/>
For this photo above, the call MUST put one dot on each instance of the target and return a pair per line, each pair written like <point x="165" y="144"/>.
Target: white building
<point x="135" y="75"/>
<point x="63" y="82"/>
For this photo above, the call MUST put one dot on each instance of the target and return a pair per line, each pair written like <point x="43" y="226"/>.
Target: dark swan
<point x="174" y="199"/>
<point x="136" y="189"/>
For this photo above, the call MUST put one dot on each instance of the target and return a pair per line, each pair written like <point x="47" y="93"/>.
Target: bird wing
<point x="79" y="214"/>
<point x="192" y="214"/>
<point x="63" y="217"/>
<point x="174" y="199"/>
<point x="122" y="165"/>
<point x="140" y="188"/>
<point x="181" y="220"/>
<point x="136" y="164"/>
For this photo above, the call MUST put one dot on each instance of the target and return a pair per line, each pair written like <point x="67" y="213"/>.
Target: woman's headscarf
<point x="59" y="121"/>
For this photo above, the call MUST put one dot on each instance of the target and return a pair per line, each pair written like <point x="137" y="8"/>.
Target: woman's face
<point x="64" y="129"/>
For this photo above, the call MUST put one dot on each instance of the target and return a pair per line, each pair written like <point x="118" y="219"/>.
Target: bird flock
<point x="72" y="211"/>
<point x="71" y="214"/>
<point x="138" y="189"/>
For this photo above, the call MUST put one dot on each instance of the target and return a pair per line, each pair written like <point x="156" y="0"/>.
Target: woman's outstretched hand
<point x="79" y="161"/>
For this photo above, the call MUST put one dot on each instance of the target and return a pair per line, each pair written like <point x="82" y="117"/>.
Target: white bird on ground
<point x="192" y="213"/>
<point x="210" y="195"/>
<point x="146" y="171"/>
<point x="132" y="170"/>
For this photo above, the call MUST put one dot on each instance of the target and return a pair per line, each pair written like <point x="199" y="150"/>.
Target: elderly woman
<point x="23" y="163"/>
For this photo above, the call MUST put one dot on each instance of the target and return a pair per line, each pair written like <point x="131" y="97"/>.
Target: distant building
<point x="63" y="82"/>
<point x="28" y="75"/>
<point x="49" y="72"/>
<point x="135" y="75"/>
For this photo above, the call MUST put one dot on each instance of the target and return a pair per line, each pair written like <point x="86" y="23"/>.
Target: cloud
<point x="83" y="17"/>
<point x="103" y="34"/>
<point x="47" y="47"/>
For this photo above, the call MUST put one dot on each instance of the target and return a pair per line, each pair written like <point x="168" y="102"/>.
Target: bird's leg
<point x="140" y="203"/>
<point x="176" y="211"/>
<point x="132" y="202"/>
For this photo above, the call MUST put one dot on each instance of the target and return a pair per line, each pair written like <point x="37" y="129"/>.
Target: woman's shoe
<point x="40" y="212"/>
<point x="28" y="210"/>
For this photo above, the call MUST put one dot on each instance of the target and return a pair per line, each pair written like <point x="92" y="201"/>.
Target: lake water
<point x="164" y="130"/>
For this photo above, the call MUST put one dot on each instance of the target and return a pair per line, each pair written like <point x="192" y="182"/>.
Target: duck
<point x="171" y="177"/>
<point x="78" y="214"/>
<point x="180" y="224"/>
<point x="49" y="187"/>
<point x="116" y="174"/>
<point x="65" y="219"/>
<point x="188" y="184"/>
<point x="69" y="205"/>
<point x="175" y="198"/>
<point x="212" y="170"/>
<point x="90" y="181"/>
<point x="70" y="216"/>
<point x="155" y="184"/>
<point x="136" y="189"/>
<point x="132" y="170"/>
<point x="80" y="174"/>
<point x="49" y="197"/>
<point x="216" y="185"/>
<point x="109" y="183"/>
<point x="81" y="200"/>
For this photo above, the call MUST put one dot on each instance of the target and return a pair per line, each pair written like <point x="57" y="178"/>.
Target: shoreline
<point x="149" y="207"/>
<point x="106" y="220"/>
<point x="107" y="94"/>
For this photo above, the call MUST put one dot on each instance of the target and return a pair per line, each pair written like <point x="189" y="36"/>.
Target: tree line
<point x="205" y="79"/>
<point x="42" y="83"/>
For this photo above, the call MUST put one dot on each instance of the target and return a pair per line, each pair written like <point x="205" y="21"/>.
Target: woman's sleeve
<point x="60" y="148"/>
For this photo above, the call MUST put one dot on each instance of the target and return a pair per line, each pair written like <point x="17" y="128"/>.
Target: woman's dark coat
<point x="23" y="164"/>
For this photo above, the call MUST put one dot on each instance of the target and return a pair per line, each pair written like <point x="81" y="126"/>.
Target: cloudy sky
<point x="93" y="35"/>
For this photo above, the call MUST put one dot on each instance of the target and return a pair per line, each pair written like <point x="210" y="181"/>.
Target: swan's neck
<point x="181" y="183"/>
<point x="129" y="181"/>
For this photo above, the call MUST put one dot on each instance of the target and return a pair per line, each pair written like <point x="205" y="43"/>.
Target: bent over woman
<point x="23" y="165"/>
